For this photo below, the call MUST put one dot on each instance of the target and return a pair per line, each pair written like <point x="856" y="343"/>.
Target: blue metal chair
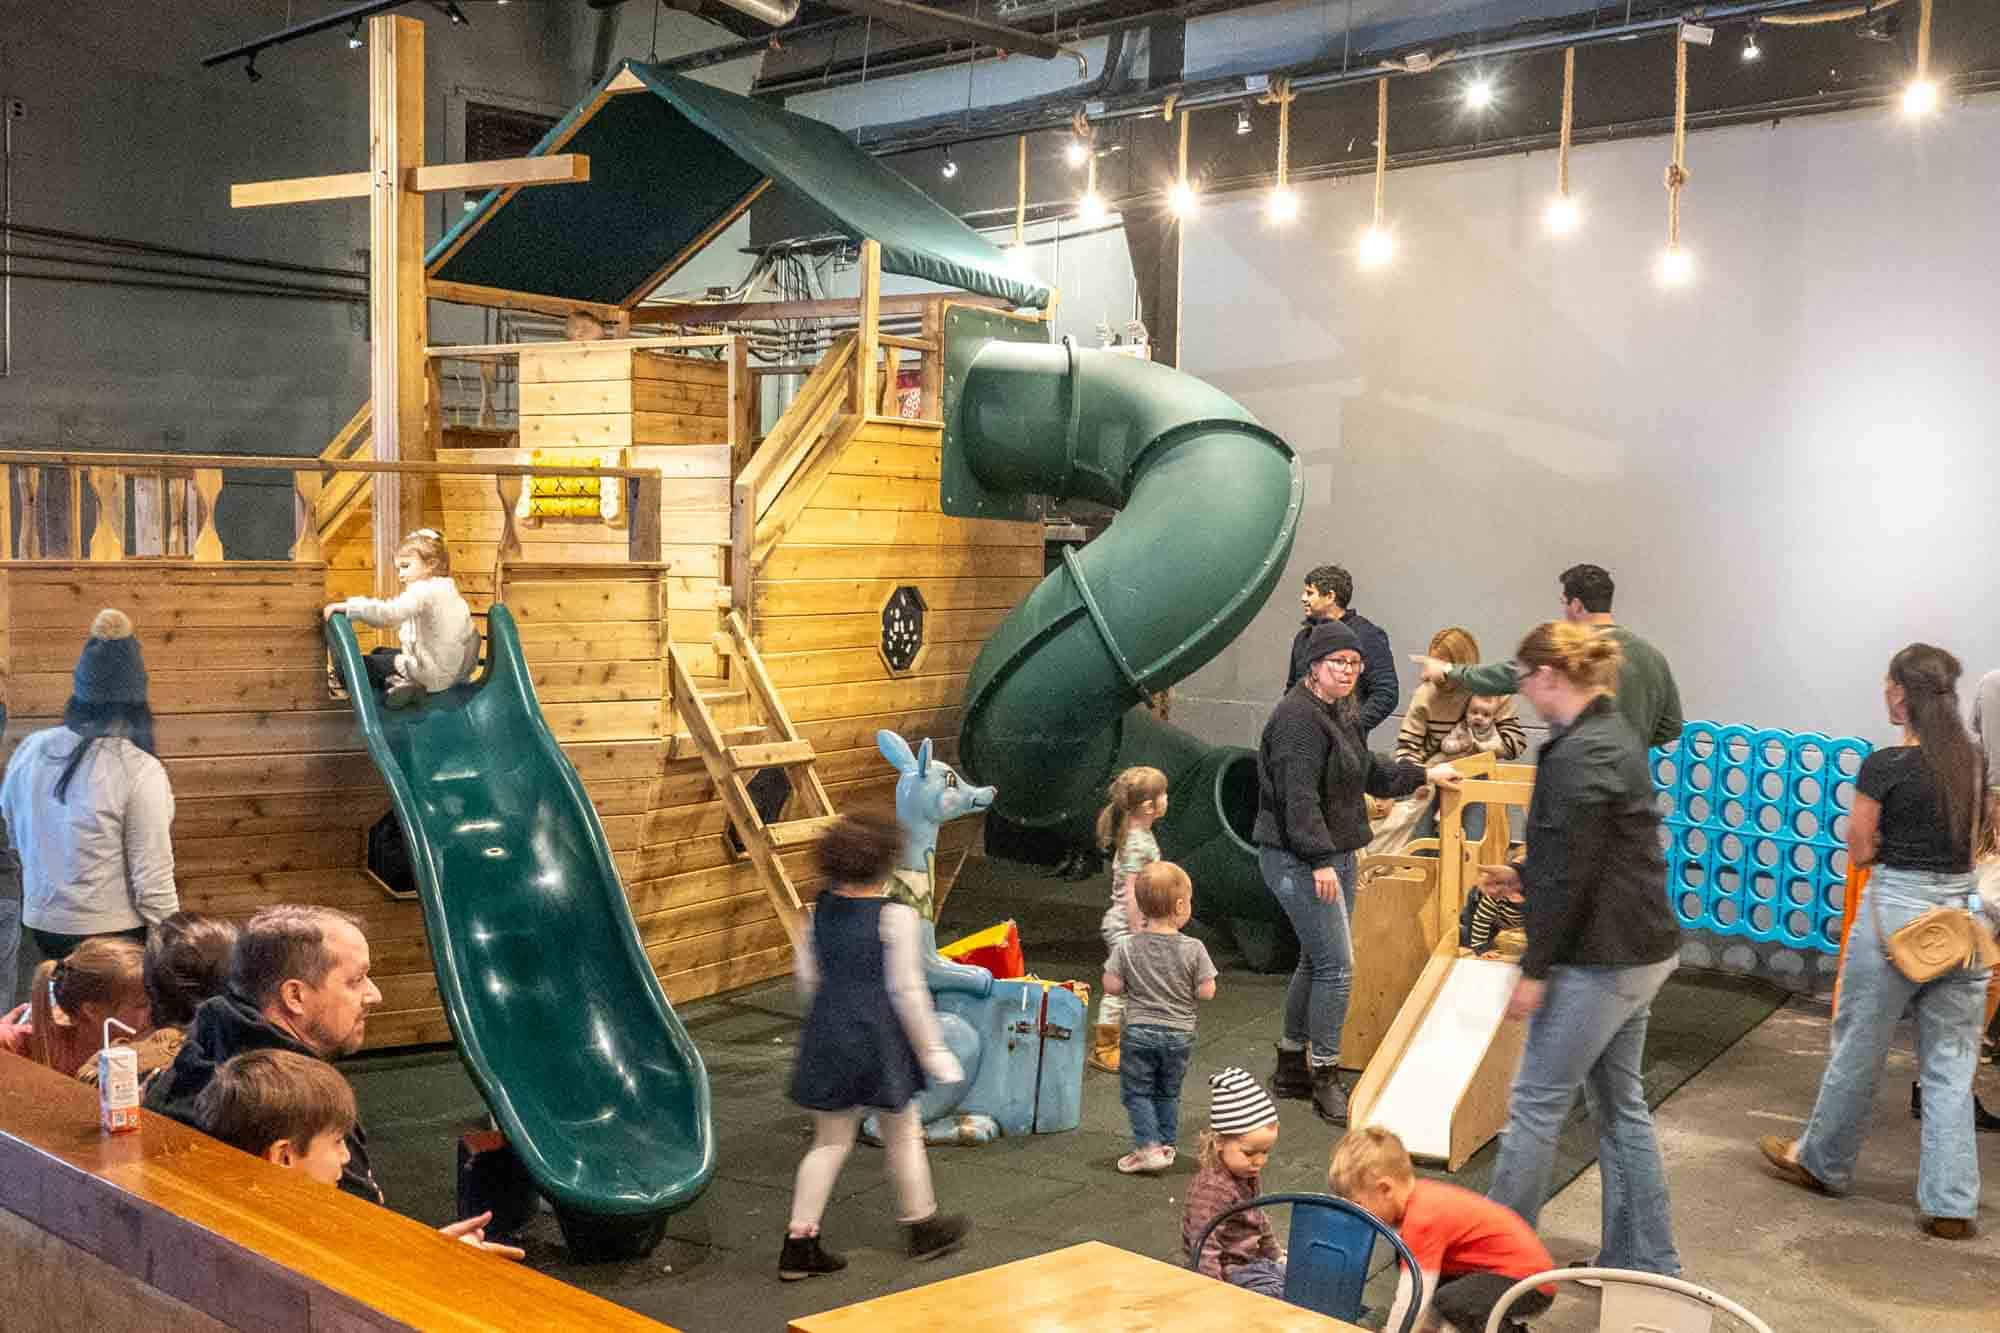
<point x="1330" y="1246"/>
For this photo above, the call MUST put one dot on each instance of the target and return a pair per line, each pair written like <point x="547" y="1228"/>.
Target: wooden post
<point x="305" y="525"/>
<point x="870" y="328"/>
<point x="509" y="489"/>
<point x="74" y="550"/>
<point x="396" y="305"/>
<point x="742" y="404"/>
<point x="207" y="542"/>
<point x="645" y="530"/>
<point x="933" y="367"/>
<point x="7" y="511"/>
<point x="887" y="401"/>
<point x="742" y="542"/>
<point x="31" y="513"/>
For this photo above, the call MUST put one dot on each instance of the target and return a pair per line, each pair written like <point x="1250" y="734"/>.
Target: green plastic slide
<point x="558" y="1015"/>
<point x="1209" y="505"/>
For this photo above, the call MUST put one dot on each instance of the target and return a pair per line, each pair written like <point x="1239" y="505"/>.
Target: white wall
<point x="1787" y="466"/>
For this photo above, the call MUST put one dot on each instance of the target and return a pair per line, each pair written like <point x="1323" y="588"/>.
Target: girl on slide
<point x="440" y="645"/>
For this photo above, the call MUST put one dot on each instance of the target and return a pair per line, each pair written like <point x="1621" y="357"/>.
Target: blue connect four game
<point x="1756" y="829"/>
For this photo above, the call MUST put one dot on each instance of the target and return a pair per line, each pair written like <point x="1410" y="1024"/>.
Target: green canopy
<point x="671" y="160"/>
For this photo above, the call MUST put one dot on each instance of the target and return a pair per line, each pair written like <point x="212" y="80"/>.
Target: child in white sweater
<point x="440" y="644"/>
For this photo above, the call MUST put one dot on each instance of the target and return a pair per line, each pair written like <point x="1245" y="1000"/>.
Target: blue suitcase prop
<point x="1021" y="1043"/>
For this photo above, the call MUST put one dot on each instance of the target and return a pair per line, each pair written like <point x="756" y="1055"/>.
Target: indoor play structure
<point x="688" y="578"/>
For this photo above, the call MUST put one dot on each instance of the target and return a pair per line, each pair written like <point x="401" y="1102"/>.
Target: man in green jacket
<point x="1647" y="695"/>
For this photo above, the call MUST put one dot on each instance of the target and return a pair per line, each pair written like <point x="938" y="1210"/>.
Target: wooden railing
<point x="342" y="496"/>
<point x="189" y="485"/>
<point x="822" y="403"/>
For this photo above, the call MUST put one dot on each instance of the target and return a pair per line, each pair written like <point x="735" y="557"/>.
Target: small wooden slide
<point x="1439" y="1080"/>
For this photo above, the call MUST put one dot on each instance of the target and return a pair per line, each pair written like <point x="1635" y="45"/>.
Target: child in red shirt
<point x="1469" y="1249"/>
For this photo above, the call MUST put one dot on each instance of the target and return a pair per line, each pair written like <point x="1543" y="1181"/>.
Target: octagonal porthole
<point x="902" y="643"/>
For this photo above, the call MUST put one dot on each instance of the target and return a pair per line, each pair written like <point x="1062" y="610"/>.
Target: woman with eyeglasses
<point x="1602" y="940"/>
<point x="1313" y="772"/>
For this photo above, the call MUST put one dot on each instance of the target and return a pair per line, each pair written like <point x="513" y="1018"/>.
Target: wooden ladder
<point x="729" y="766"/>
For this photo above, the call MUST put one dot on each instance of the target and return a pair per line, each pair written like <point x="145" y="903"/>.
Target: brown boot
<point x="1104" y="1047"/>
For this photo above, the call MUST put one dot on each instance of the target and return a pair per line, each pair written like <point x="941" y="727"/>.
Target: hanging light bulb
<point x="1184" y="199"/>
<point x="1479" y="94"/>
<point x="1920" y="98"/>
<point x="950" y="167"/>
<point x="1675" y="267"/>
<point x="1282" y="205"/>
<point x="1562" y="216"/>
<point x="1077" y="152"/>
<point x="1751" y="51"/>
<point x="1242" y="120"/>
<point x="1378" y="247"/>
<point x="354" y="36"/>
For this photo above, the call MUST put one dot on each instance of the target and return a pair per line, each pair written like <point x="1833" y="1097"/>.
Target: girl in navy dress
<point x="870" y="1042"/>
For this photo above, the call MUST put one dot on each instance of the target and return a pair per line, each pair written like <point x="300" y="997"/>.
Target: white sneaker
<point x="1142" y="1161"/>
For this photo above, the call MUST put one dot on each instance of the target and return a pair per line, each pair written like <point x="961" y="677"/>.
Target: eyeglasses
<point x="1345" y="665"/>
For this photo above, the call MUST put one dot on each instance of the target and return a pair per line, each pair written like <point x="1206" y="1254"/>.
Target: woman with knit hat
<point x="88" y="806"/>
<point x="1313" y="771"/>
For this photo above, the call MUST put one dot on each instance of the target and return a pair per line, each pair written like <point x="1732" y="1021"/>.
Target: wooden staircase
<point x="731" y="760"/>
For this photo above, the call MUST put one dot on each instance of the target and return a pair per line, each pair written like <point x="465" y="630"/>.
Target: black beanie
<point x="109" y="670"/>
<point x="1329" y="637"/>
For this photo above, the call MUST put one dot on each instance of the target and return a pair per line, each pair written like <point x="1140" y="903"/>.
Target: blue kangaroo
<point x="991" y="1026"/>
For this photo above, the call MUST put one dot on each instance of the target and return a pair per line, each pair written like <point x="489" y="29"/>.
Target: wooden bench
<point x="167" y="1228"/>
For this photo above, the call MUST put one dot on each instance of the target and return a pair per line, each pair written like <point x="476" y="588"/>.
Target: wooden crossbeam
<point x="555" y="169"/>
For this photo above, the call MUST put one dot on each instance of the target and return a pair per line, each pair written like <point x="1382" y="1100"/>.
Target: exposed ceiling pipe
<point x="777" y="13"/>
<point x="921" y="19"/>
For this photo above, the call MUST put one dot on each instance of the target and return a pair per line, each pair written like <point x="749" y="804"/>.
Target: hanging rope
<point x="1677" y="176"/>
<point x="1923" y="40"/>
<point x="1381" y="146"/>
<point x="1021" y="193"/>
<point x="1281" y="95"/>
<point x="1568" y="120"/>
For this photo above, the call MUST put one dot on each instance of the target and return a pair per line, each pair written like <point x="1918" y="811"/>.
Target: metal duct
<point x="777" y="13"/>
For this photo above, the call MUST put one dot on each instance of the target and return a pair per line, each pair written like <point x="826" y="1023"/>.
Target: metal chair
<point x="1331" y="1244"/>
<point x="1637" y="1302"/>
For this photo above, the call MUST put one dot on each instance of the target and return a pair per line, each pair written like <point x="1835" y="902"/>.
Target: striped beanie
<point x="1237" y="1103"/>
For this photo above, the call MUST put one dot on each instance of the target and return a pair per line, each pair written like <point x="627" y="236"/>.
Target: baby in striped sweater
<point x="1492" y="925"/>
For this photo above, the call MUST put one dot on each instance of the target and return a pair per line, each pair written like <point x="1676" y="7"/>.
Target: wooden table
<point x="1090" y="1288"/>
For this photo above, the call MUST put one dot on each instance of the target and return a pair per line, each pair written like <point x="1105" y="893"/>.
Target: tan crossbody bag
<point x="1943" y="939"/>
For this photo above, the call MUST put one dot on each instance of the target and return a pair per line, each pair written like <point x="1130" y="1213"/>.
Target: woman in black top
<point x="1312" y="769"/>
<point x="1601" y="942"/>
<point x="1913" y="820"/>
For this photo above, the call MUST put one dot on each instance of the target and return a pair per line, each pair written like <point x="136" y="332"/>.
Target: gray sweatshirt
<point x="103" y="860"/>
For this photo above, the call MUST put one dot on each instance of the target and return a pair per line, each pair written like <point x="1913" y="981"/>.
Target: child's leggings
<point x="833" y="1135"/>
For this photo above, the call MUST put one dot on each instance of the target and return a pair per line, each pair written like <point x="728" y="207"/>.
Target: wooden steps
<point x="730" y="760"/>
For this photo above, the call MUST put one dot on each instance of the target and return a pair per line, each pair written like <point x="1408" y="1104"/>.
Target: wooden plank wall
<point x="874" y="525"/>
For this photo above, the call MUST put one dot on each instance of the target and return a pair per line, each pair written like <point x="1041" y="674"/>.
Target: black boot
<point x="937" y="1235"/>
<point x="1328" y="1098"/>
<point x="804" y="1258"/>
<point x="1916" y="1101"/>
<point x="1291" y="1078"/>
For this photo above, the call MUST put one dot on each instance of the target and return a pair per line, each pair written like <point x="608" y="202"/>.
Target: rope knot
<point x="1677" y="175"/>
<point x="1279" y="92"/>
<point x="1079" y="125"/>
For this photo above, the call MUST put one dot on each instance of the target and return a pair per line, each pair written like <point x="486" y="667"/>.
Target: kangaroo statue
<point x="929" y="793"/>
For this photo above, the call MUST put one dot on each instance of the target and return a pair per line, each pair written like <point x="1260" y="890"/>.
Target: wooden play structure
<point x="1425" y="1025"/>
<point x="700" y="593"/>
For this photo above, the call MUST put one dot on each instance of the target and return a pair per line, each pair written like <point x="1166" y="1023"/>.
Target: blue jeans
<point x="1873" y="995"/>
<point x="1316" y="1002"/>
<point x="1472" y="822"/>
<point x="1152" y="1062"/>
<point x="1591" y="1031"/>
<point x="1261" y="1276"/>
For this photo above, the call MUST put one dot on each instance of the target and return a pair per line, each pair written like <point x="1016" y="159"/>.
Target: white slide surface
<point x="1423" y="1089"/>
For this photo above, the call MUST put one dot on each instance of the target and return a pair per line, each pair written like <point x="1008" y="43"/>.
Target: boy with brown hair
<point x="1469" y="1249"/>
<point x="1162" y="974"/>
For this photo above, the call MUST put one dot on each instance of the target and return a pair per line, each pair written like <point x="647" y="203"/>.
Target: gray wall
<point x="1786" y="465"/>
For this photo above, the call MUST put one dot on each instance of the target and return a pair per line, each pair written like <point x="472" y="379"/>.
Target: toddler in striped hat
<point x="1242" y="1131"/>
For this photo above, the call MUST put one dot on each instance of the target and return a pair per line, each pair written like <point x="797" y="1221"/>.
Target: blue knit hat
<point x="109" y="670"/>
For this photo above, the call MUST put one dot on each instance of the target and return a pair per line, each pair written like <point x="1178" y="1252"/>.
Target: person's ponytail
<point x="1928" y="676"/>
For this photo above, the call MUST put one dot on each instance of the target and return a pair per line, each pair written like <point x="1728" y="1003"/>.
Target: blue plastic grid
<point x="1755" y="823"/>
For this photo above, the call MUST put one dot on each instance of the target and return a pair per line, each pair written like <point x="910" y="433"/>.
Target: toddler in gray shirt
<point x="1161" y="974"/>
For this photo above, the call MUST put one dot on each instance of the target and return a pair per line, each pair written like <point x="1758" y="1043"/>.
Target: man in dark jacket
<point x="1328" y="590"/>
<point x="1313" y="769"/>
<point x="298" y="981"/>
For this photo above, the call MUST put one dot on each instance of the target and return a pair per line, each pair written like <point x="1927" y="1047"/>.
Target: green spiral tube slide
<point x="1209" y="505"/>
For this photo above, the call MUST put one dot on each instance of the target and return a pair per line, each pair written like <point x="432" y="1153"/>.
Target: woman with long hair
<point x="1602" y="940"/>
<point x="1913" y="820"/>
<point x="88" y="806"/>
<point x="70" y="999"/>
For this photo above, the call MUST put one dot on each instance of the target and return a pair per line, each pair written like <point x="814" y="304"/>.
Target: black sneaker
<point x="937" y="1235"/>
<point x="804" y="1258"/>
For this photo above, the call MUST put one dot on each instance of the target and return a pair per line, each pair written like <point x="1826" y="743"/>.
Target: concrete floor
<point x="1831" y="1266"/>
